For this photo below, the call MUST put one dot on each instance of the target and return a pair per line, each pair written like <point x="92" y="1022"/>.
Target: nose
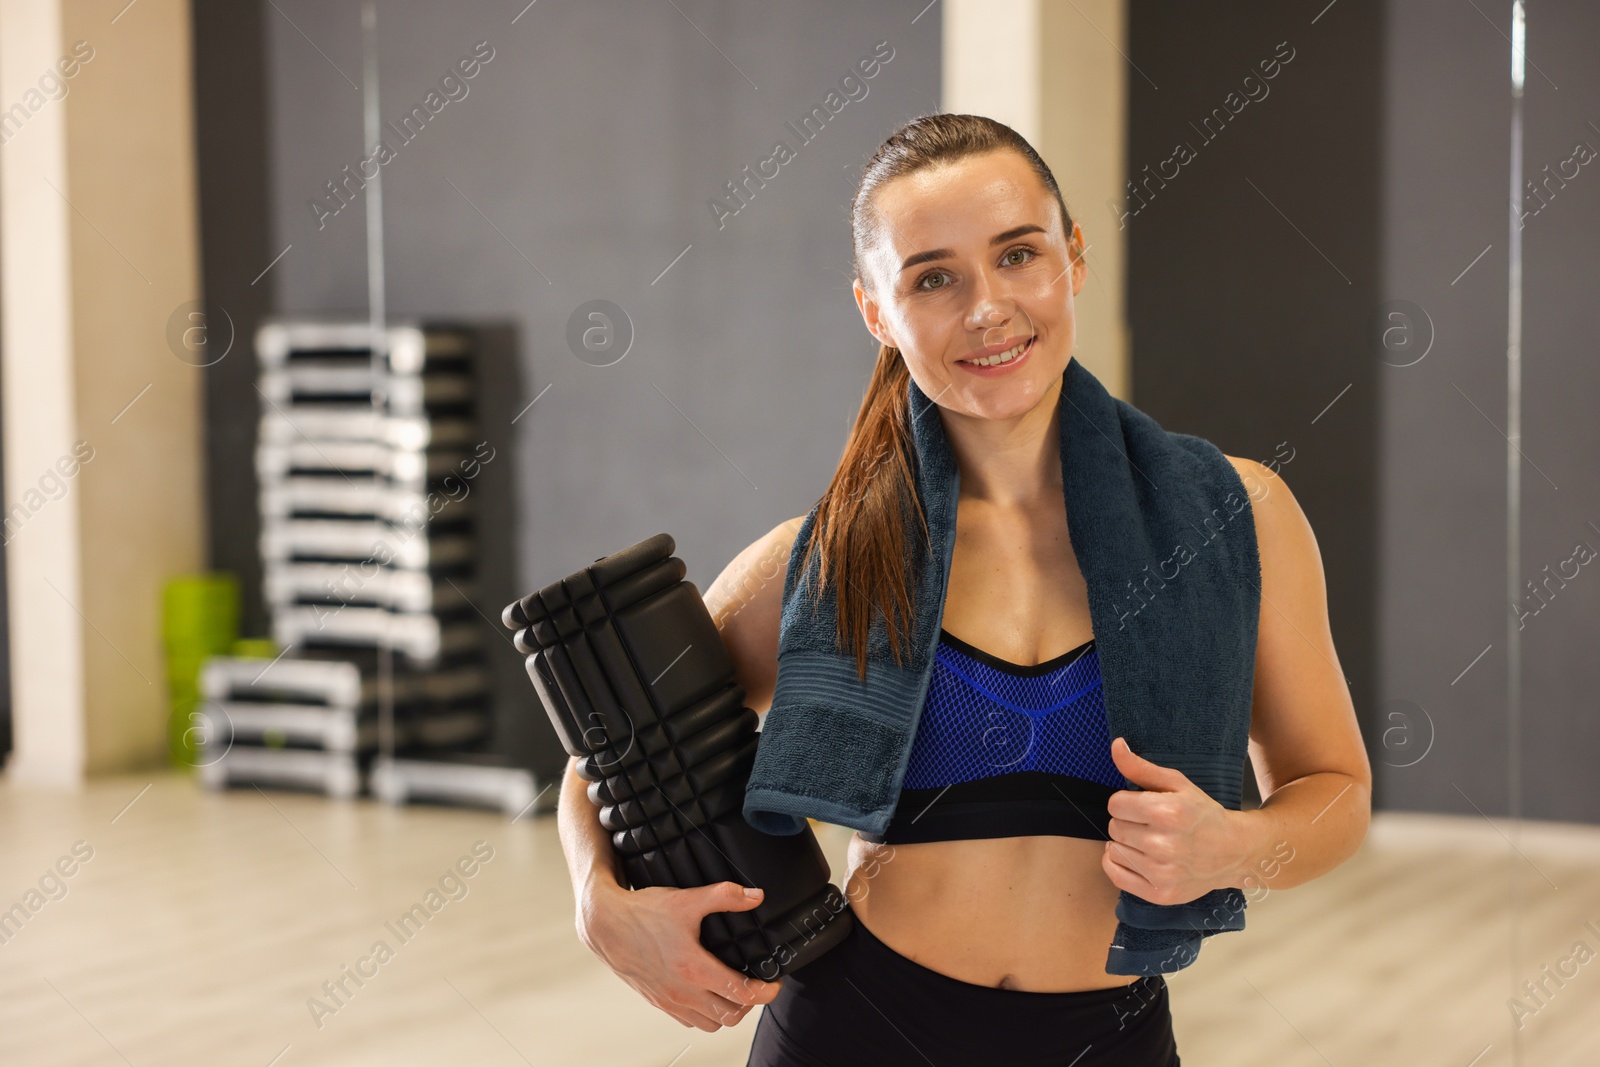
<point x="993" y="305"/>
<point x="991" y="314"/>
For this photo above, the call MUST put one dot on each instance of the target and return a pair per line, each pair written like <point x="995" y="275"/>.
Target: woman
<point x="982" y="928"/>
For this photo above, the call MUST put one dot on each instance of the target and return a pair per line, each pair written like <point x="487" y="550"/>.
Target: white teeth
<point x="1004" y="357"/>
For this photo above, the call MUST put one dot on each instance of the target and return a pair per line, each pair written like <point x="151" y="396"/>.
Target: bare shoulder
<point x="746" y="602"/>
<point x="1253" y="474"/>
<point x="1283" y="534"/>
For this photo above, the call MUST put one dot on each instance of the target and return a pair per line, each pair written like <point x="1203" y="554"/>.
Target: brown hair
<point x="862" y="517"/>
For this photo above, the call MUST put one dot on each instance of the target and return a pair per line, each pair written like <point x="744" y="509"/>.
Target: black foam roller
<point x="631" y="670"/>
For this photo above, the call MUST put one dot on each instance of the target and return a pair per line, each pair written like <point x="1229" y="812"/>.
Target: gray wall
<point x="1442" y="484"/>
<point x="578" y="166"/>
<point x="230" y="117"/>
<point x="1253" y="270"/>
<point x="1384" y="150"/>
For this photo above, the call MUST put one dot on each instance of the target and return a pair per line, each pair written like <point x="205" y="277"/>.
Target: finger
<point x="1115" y="874"/>
<point x="756" y="993"/>
<point x="703" y="1005"/>
<point x="730" y="1016"/>
<point x="735" y="986"/>
<point x="1130" y="858"/>
<point x="1135" y="837"/>
<point x="733" y="1018"/>
<point x="694" y="1001"/>
<point x="1133" y="805"/>
<point x="697" y="1020"/>
<point x="685" y="1013"/>
<point x="717" y="1006"/>
<point x="726" y="1010"/>
<point x="1124" y="876"/>
<point x="723" y="990"/>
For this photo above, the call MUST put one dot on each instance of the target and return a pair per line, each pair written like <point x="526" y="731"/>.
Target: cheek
<point x="1056" y="324"/>
<point x="1049" y="306"/>
<point x="916" y="338"/>
<point x="931" y="380"/>
<point x="929" y="330"/>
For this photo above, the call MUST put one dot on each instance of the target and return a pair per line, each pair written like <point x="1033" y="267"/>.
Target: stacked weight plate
<point x="633" y="674"/>
<point x="312" y="720"/>
<point x="367" y="510"/>
<point x="367" y="536"/>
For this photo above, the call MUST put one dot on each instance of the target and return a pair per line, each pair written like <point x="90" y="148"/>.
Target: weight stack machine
<point x="370" y="498"/>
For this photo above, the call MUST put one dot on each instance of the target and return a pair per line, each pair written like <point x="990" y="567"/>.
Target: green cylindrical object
<point x="199" y="618"/>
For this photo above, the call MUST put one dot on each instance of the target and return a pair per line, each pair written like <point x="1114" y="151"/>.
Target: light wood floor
<point x="203" y="922"/>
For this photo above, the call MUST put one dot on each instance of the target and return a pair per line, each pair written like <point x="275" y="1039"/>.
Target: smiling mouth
<point x="1010" y="355"/>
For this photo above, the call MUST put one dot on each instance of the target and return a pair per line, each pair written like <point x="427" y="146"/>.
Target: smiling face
<point x="971" y="263"/>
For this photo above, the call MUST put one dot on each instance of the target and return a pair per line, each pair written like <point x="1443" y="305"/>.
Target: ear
<point x="1076" y="246"/>
<point x="872" y="314"/>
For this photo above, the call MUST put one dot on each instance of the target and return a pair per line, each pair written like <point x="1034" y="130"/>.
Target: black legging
<point x="864" y="1003"/>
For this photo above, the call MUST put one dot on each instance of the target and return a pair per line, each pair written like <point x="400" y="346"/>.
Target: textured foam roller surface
<point x="630" y="668"/>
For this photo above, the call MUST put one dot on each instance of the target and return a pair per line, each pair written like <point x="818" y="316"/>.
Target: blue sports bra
<point x="1007" y="750"/>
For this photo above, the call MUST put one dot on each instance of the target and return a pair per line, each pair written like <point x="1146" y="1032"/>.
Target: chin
<point x="1012" y="402"/>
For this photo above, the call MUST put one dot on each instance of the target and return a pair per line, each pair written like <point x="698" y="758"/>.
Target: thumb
<point x="729" y="896"/>
<point x="1140" y="771"/>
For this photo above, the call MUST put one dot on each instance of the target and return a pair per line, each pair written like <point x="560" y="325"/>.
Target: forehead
<point x="963" y="202"/>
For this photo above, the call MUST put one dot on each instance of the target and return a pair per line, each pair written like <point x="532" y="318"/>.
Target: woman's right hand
<point x="651" y="938"/>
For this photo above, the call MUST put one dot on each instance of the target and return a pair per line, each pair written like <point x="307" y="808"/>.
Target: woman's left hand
<point x="1170" y="841"/>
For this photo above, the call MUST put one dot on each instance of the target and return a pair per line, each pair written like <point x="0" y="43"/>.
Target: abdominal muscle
<point x="1034" y="914"/>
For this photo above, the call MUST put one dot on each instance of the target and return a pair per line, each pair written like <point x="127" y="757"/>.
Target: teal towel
<point x="1165" y="536"/>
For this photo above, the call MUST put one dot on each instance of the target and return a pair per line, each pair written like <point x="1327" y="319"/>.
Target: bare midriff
<point x="1034" y="914"/>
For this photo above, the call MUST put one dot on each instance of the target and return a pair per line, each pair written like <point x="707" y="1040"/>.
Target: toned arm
<point x="1305" y="744"/>
<point x="746" y="601"/>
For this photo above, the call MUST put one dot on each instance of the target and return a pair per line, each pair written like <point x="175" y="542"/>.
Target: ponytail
<point x="862" y="518"/>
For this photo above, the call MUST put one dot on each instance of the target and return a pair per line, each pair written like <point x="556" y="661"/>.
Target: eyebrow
<point x="945" y="253"/>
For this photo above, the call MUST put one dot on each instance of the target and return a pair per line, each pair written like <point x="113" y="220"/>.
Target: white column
<point x="1055" y="72"/>
<point x="102" y="421"/>
<point x="42" y="552"/>
<point x="993" y="54"/>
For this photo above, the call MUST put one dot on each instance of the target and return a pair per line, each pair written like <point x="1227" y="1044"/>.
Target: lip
<point x="1001" y="368"/>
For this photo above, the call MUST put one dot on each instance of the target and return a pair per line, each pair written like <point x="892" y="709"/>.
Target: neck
<point x="1012" y="462"/>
